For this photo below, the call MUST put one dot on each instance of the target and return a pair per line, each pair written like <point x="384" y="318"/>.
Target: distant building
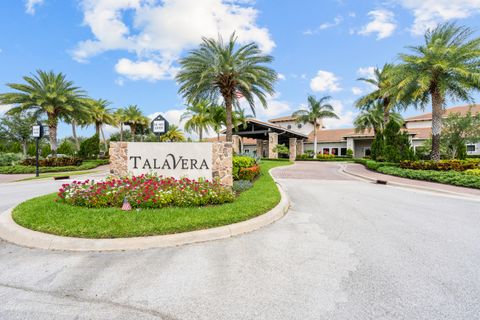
<point x="338" y="141"/>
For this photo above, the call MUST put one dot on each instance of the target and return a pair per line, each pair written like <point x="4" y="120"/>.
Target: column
<point x="236" y="144"/>
<point x="272" y="143"/>
<point x="293" y="148"/>
<point x="259" y="148"/>
<point x="300" y="147"/>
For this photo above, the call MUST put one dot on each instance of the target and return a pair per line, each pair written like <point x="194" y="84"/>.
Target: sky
<point x="127" y="51"/>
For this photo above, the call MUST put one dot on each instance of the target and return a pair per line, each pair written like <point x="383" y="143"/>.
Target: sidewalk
<point x="361" y="171"/>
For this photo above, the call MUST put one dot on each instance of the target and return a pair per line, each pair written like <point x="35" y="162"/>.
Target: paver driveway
<point x="347" y="249"/>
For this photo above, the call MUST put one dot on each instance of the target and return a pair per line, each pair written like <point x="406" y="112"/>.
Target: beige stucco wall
<point x="222" y="153"/>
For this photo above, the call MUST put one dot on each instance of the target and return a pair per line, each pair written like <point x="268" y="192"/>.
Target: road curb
<point x="11" y="232"/>
<point x="404" y="185"/>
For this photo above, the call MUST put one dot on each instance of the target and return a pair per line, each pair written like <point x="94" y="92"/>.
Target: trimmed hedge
<point x="442" y="165"/>
<point x="323" y="158"/>
<point x="53" y="162"/>
<point x="86" y="165"/>
<point x="446" y="177"/>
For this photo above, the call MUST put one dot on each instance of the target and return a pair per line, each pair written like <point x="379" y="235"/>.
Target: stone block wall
<point x="118" y="158"/>
<point x="222" y="155"/>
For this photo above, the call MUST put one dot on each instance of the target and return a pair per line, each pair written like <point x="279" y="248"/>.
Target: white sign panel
<point x="178" y="160"/>
<point x="36" y="131"/>
<point x="159" y="126"/>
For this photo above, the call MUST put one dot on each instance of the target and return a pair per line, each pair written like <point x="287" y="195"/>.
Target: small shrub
<point x="90" y="148"/>
<point x="242" y="168"/>
<point x="249" y="173"/>
<point x="66" y="147"/>
<point x="9" y="159"/>
<point x="145" y="191"/>
<point x="242" y="185"/>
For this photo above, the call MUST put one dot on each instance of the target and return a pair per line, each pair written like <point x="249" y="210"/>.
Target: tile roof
<point x="460" y="109"/>
<point x="282" y="119"/>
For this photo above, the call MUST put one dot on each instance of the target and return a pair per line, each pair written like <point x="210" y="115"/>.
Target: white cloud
<point x="366" y="72"/>
<point x="5" y="107"/>
<point x="324" y="26"/>
<point x="357" y="91"/>
<point x="429" y="13"/>
<point x="325" y="81"/>
<point x="382" y="23"/>
<point x="281" y="76"/>
<point x="162" y="31"/>
<point x="30" y="6"/>
<point x="346" y="116"/>
<point x="144" y="70"/>
<point x="275" y="107"/>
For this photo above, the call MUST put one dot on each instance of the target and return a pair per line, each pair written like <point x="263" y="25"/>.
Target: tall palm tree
<point x="101" y="115"/>
<point x="47" y="93"/>
<point x="174" y="134"/>
<point x="198" y="118"/>
<point x="445" y="66"/>
<point x="135" y="119"/>
<point x="222" y="69"/>
<point x="317" y="110"/>
<point x="385" y="90"/>
<point x="240" y="118"/>
<point x="80" y="116"/>
<point x="371" y="118"/>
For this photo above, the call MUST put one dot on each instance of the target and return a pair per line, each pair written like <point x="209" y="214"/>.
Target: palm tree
<point x="383" y="81"/>
<point x="220" y="69"/>
<point x="217" y="116"/>
<point x="240" y="118"/>
<point x="371" y="118"/>
<point x="174" y="134"/>
<point x="199" y="120"/>
<point x="135" y="119"/>
<point x="445" y="66"/>
<point x="100" y="115"/>
<point x="45" y="93"/>
<point x="317" y="110"/>
<point x="119" y="117"/>
<point x="78" y="117"/>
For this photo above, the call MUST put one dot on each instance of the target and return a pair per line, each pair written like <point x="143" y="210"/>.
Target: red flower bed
<point x="145" y="192"/>
<point x="249" y="173"/>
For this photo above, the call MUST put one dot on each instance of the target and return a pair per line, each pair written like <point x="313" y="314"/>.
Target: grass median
<point x="45" y="215"/>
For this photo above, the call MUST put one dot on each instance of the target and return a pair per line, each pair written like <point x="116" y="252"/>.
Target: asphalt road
<point x="347" y="249"/>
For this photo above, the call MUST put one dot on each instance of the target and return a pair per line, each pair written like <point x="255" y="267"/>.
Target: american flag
<point x="126" y="205"/>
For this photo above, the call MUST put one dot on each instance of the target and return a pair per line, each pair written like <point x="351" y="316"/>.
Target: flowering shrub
<point x="145" y="191"/>
<point x="443" y="165"/>
<point x="248" y="173"/>
<point x="245" y="168"/>
<point x="53" y="162"/>
<point x="326" y="156"/>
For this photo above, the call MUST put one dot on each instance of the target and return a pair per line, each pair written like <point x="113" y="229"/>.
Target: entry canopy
<point x="256" y="129"/>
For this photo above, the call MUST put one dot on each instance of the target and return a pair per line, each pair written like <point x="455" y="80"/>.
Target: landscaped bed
<point x="20" y="169"/>
<point x="463" y="176"/>
<point x="56" y="217"/>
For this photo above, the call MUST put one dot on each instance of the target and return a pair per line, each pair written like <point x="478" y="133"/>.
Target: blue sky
<point x="126" y="51"/>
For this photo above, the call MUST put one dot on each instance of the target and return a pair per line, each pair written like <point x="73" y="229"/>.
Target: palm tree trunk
<point x="229" y="124"/>
<point x="315" y="140"/>
<point x="74" y="134"/>
<point x="97" y="129"/>
<point x="218" y="136"/>
<point x="133" y="130"/>
<point x="121" y="132"/>
<point x="24" y="148"/>
<point x="104" y="140"/>
<point x="52" y="132"/>
<point x="437" y="115"/>
<point x="386" y="112"/>
<point x="200" y="134"/>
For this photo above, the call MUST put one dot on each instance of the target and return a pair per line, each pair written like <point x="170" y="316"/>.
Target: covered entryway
<point x="268" y="136"/>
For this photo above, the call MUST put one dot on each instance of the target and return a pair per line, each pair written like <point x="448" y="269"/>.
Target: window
<point x="343" y="151"/>
<point x="299" y="126"/>
<point x="289" y="127"/>
<point x="367" y="152"/>
<point x="471" y="148"/>
<point x="326" y="151"/>
<point x="335" y="151"/>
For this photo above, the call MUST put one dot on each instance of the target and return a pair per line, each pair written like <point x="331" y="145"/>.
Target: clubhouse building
<point x="260" y="138"/>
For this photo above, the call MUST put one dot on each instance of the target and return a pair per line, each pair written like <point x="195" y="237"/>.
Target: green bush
<point x="242" y="185"/>
<point x="446" y="177"/>
<point x="10" y="159"/>
<point x="475" y="172"/>
<point x="240" y="164"/>
<point x="90" y="148"/>
<point x="66" y="147"/>
<point x="374" y="165"/>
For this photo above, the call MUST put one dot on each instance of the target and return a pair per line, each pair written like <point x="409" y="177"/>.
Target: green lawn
<point x="45" y="215"/>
